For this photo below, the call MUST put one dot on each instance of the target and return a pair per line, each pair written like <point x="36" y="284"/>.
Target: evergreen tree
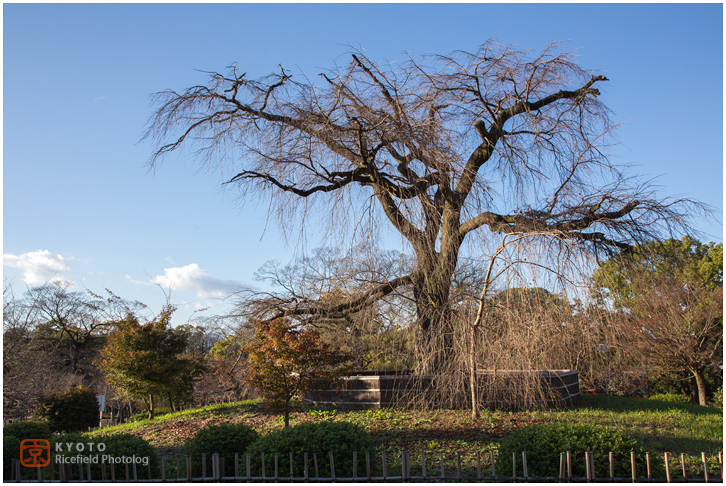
<point x="145" y="361"/>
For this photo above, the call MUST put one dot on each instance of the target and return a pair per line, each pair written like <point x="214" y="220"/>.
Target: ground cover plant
<point x="660" y="426"/>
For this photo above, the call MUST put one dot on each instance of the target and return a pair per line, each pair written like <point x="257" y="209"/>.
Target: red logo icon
<point x="35" y="453"/>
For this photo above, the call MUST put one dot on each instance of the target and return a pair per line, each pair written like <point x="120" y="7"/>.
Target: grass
<point x="663" y="427"/>
<point x="222" y="409"/>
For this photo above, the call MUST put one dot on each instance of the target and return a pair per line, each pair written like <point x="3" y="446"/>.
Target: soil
<point x="391" y="430"/>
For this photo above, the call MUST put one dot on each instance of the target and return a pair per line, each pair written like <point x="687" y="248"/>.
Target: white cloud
<point x="192" y="278"/>
<point x="38" y="266"/>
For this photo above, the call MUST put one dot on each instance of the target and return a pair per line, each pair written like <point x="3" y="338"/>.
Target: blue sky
<point x="79" y="202"/>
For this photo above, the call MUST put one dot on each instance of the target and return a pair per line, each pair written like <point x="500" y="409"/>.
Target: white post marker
<point x="101" y="406"/>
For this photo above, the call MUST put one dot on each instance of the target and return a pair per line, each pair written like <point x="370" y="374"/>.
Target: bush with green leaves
<point x="222" y="439"/>
<point x="14" y="434"/>
<point x="11" y="450"/>
<point x="342" y="438"/>
<point x="72" y="411"/>
<point x="105" y="447"/>
<point x="670" y="397"/>
<point x="717" y="399"/>
<point x="31" y="429"/>
<point x="543" y="444"/>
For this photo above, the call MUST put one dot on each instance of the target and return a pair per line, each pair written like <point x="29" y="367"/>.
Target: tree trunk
<point x="151" y="407"/>
<point x="434" y="343"/>
<point x="473" y="375"/>
<point x="287" y="413"/>
<point x="73" y="354"/>
<point x="701" y="384"/>
<point x="431" y="291"/>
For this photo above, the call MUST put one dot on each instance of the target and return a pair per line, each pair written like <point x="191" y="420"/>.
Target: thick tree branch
<point x="342" y="180"/>
<point x="526" y="106"/>
<point x="320" y="309"/>
<point x="520" y="224"/>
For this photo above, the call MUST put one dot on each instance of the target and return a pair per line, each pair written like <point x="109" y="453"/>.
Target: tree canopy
<point x="496" y="142"/>
<point x="144" y="361"/>
<point x="285" y="362"/>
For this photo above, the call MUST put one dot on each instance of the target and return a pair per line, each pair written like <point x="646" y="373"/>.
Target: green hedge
<point x="544" y="443"/>
<point x="14" y="434"/>
<point x="342" y="438"/>
<point x="222" y="439"/>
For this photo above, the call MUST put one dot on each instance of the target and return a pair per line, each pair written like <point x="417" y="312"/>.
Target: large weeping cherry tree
<point x="502" y="143"/>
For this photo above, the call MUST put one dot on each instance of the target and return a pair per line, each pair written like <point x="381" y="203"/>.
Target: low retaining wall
<point x="372" y="390"/>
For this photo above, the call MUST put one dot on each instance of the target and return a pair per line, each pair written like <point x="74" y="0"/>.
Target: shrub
<point x="72" y="411"/>
<point x="14" y="434"/>
<point x="285" y="362"/>
<point x="342" y="438"/>
<point x="222" y="439"/>
<point x="670" y="397"/>
<point x="11" y="450"/>
<point x="32" y="429"/>
<point x="717" y="399"/>
<point x="108" y="448"/>
<point x="544" y="443"/>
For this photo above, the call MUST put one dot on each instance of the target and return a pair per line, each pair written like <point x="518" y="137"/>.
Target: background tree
<point x="673" y="293"/>
<point x="226" y="363"/>
<point x="144" y="361"/>
<point x="51" y="338"/>
<point x="499" y="141"/>
<point x="332" y="277"/>
<point x="28" y="372"/>
<point x="285" y="362"/>
<point x="72" y="323"/>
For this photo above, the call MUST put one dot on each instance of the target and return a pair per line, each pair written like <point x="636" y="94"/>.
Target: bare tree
<point x="73" y="322"/>
<point x="673" y="293"/>
<point x="28" y="372"/>
<point x="496" y="142"/>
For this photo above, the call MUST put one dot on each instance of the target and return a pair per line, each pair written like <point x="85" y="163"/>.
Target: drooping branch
<point x="337" y="181"/>
<point x="317" y="309"/>
<point x="437" y="147"/>
<point x="570" y="228"/>
<point x="490" y="136"/>
<point x="527" y="106"/>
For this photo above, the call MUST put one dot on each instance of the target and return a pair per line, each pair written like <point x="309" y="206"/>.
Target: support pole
<point x="705" y="466"/>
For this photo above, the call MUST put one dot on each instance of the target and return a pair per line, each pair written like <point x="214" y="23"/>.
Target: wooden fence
<point x="373" y="390"/>
<point x="425" y="469"/>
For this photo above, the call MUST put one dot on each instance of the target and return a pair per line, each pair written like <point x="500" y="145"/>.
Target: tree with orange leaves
<point x="284" y="362"/>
